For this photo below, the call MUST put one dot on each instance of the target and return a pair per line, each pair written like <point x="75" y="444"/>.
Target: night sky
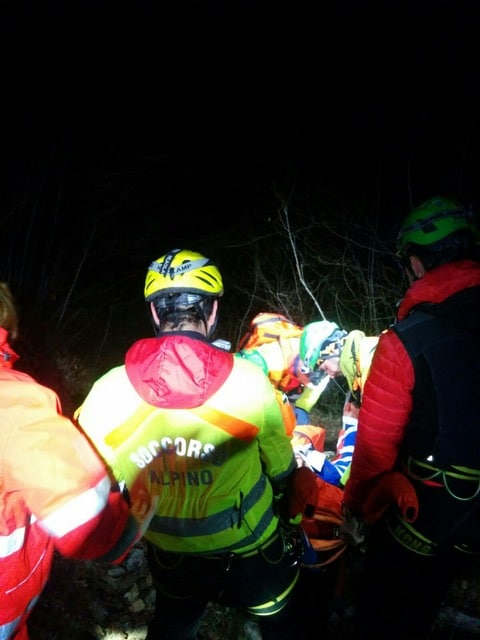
<point x="134" y="126"/>
<point x="204" y="108"/>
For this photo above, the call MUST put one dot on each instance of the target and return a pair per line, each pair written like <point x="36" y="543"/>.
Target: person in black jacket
<point x="420" y="419"/>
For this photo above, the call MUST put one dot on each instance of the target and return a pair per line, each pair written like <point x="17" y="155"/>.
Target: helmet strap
<point x="153" y="317"/>
<point x="416" y="267"/>
<point x="213" y="327"/>
<point x="409" y="269"/>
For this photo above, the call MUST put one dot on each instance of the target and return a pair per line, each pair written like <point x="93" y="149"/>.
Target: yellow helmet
<point x="350" y="358"/>
<point x="182" y="271"/>
<point x="356" y="357"/>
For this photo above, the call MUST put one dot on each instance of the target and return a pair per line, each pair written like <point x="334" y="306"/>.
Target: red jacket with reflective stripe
<point x="54" y="494"/>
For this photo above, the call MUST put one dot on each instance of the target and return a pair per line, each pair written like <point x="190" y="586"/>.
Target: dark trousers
<point x="309" y="607"/>
<point x="399" y="592"/>
<point x="270" y="579"/>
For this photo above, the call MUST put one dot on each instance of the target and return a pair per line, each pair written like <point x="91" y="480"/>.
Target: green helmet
<point x="435" y="219"/>
<point x="319" y="341"/>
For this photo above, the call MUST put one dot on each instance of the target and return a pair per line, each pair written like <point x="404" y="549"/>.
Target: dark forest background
<point x="284" y="140"/>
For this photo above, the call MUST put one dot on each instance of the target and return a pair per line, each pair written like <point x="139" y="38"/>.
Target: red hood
<point x="440" y="283"/>
<point x="177" y="370"/>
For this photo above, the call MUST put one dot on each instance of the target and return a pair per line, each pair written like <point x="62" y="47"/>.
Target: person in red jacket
<point x="55" y="493"/>
<point x="419" y="420"/>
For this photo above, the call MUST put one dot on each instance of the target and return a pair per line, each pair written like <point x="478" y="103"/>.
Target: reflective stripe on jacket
<point x="53" y="494"/>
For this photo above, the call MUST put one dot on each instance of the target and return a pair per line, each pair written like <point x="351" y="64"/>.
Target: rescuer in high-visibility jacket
<point x="55" y="493"/>
<point x="200" y="433"/>
<point x="283" y="359"/>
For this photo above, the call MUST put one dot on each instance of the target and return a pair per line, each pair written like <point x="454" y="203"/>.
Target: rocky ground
<point x="92" y="601"/>
<point x="87" y="601"/>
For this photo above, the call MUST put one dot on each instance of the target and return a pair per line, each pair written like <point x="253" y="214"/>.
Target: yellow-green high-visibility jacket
<point x="198" y="435"/>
